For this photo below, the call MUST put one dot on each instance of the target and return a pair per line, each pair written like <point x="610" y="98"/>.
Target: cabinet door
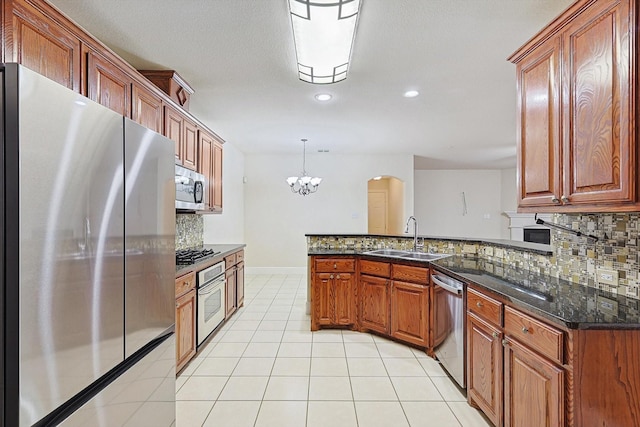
<point x="216" y="205"/>
<point x="533" y="389"/>
<point x="323" y="300"/>
<point x="205" y="166"/>
<point x="409" y="312"/>
<point x="146" y="108"/>
<point x="230" y="290"/>
<point x="107" y="84"/>
<point x="345" y="299"/>
<point x="600" y="163"/>
<point x="185" y="328"/>
<point x="43" y="45"/>
<point x="374" y="303"/>
<point x="240" y="285"/>
<point x="539" y="126"/>
<point x="441" y="321"/>
<point x="173" y="125"/>
<point x="484" y="367"/>
<point x="190" y="145"/>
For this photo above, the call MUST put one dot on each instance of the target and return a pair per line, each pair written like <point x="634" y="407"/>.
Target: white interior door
<point x="378" y="215"/>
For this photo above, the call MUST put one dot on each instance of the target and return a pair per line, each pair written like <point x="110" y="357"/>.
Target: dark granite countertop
<point x="570" y="304"/>
<point x="574" y="305"/>
<point x="224" y="250"/>
<point x="513" y="244"/>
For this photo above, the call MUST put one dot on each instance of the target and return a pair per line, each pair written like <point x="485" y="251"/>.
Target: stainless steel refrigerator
<point x="88" y="245"/>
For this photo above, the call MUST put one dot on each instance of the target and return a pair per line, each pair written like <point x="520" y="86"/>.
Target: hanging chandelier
<point x="304" y="184"/>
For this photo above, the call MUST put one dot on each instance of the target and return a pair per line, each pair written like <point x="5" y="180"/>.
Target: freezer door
<point x="70" y="268"/>
<point x="150" y="235"/>
<point x="143" y="396"/>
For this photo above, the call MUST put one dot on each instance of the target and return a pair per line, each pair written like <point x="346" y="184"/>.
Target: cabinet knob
<point x="331" y="277"/>
<point x="564" y="199"/>
<point x="505" y="342"/>
<point x="338" y="276"/>
<point x="479" y="304"/>
<point x="555" y="200"/>
<point x="525" y="330"/>
<point x="335" y="266"/>
<point x="495" y="334"/>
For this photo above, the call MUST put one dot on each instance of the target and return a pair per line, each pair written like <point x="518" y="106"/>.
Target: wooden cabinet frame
<point x="577" y="102"/>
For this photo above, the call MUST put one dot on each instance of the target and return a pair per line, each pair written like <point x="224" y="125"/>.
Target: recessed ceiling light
<point x="411" y="94"/>
<point x="377" y="178"/>
<point x="323" y="97"/>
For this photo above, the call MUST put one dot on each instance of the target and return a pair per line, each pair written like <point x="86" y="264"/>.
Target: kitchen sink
<point x="396" y="253"/>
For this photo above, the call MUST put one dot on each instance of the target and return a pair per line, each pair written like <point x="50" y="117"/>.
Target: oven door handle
<point x="209" y="287"/>
<point x="445" y="286"/>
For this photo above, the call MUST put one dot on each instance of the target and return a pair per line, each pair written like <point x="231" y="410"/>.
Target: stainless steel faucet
<point x="415" y="232"/>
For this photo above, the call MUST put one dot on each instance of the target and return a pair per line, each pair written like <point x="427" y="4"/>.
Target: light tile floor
<point x="264" y="368"/>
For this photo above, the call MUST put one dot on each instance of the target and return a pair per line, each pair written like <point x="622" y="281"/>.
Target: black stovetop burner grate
<point x="190" y="256"/>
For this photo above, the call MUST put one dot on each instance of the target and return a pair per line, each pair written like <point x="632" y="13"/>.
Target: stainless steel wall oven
<point x="211" y="295"/>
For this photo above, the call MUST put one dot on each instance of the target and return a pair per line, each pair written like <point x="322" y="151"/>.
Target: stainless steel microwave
<point x="189" y="190"/>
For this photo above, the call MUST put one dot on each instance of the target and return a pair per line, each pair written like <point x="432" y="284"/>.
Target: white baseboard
<point x="275" y="270"/>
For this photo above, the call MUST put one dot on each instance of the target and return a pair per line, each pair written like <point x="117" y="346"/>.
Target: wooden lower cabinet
<point x="440" y="321"/>
<point x="334" y="300"/>
<point x="322" y="312"/>
<point x="484" y="367"/>
<point x="410" y="312"/>
<point x="374" y="303"/>
<point x="230" y="292"/>
<point x="185" y="328"/>
<point x="533" y="389"/>
<point x="240" y="284"/>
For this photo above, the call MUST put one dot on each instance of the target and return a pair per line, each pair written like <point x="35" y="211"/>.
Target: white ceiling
<point x="239" y="57"/>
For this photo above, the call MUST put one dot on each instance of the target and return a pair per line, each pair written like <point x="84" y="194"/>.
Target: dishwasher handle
<point x="447" y="287"/>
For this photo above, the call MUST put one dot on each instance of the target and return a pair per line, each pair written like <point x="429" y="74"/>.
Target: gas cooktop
<point x="191" y="256"/>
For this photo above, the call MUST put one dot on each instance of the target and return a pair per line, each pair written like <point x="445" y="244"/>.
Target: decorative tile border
<point x="575" y="259"/>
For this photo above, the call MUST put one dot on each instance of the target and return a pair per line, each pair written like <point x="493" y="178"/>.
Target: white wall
<point x="509" y="198"/>
<point x="276" y="220"/>
<point x="228" y="227"/>
<point x="439" y="207"/>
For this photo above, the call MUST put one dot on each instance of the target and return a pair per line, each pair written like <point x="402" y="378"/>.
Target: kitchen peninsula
<point x="532" y="340"/>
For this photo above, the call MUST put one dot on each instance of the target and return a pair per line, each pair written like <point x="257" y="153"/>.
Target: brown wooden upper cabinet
<point x="37" y="41"/>
<point x="210" y="165"/>
<point x="577" y="147"/>
<point x="108" y="84"/>
<point x="184" y="134"/>
<point x="146" y="108"/>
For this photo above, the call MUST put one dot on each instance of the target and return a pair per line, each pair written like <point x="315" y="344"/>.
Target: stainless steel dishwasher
<point x="449" y="329"/>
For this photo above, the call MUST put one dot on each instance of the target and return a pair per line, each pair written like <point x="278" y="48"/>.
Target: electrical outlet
<point x="469" y="249"/>
<point x="606" y="305"/>
<point x="607" y="277"/>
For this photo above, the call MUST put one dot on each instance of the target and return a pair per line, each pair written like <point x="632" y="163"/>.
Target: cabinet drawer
<point x="373" y="268"/>
<point x="185" y="283"/>
<point x="239" y="256"/>
<point x="485" y="307"/>
<point x="411" y="273"/>
<point x="539" y="336"/>
<point x="229" y="260"/>
<point x="327" y="265"/>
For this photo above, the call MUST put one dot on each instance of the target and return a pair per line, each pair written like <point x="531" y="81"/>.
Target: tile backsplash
<point x="575" y="259"/>
<point x="189" y="231"/>
<point x="616" y="250"/>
